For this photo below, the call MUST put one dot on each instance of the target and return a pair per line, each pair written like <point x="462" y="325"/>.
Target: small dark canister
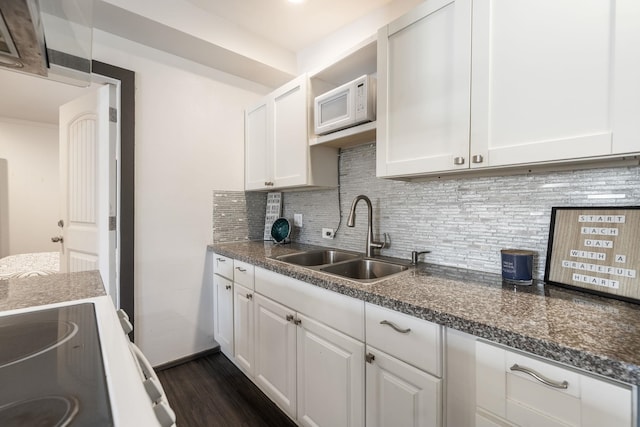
<point x="517" y="266"/>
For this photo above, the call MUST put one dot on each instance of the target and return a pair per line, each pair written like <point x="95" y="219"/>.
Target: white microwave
<point x="345" y="106"/>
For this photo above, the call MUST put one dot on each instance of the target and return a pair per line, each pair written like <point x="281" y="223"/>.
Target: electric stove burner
<point x="32" y="339"/>
<point x="51" y="369"/>
<point x="49" y="411"/>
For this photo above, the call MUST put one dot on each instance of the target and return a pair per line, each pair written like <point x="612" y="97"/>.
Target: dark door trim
<point x="127" y="179"/>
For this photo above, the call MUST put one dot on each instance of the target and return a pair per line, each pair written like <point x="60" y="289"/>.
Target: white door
<point x="400" y="395"/>
<point x="87" y="146"/>
<point x="424" y="74"/>
<point x="330" y="375"/>
<point x="275" y="352"/>
<point x="243" y="327"/>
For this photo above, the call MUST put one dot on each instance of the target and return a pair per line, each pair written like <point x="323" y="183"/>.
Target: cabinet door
<point x="424" y="73"/>
<point x="400" y="395"/>
<point x="330" y="376"/>
<point x="243" y="326"/>
<point x="223" y="313"/>
<point x="275" y="353"/>
<point x="290" y="133"/>
<point x="552" y="80"/>
<point x="258" y="147"/>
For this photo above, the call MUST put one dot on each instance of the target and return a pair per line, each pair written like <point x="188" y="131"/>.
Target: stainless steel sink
<point x="365" y="270"/>
<point x="348" y="265"/>
<point x="317" y="257"/>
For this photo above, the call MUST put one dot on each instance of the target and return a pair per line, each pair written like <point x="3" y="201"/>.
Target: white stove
<point x="71" y="364"/>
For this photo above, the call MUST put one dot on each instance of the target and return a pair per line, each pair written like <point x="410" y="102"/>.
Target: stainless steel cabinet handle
<point x="289" y="318"/>
<point x="240" y="269"/>
<point x="249" y="296"/>
<point x="477" y="158"/>
<point x="56" y="239"/>
<point x="297" y="321"/>
<point x="268" y="183"/>
<point x="221" y="259"/>
<point x="227" y="287"/>
<point x="395" y="327"/>
<point x="458" y="160"/>
<point x="369" y="358"/>
<point x="544" y="380"/>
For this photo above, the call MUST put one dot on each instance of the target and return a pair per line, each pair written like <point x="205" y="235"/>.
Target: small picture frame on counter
<point x="595" y="250"/>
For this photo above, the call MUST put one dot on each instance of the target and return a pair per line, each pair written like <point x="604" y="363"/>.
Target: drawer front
<point x="410" y="339"/>
<point x="223" y="266"/>
<point x="526" y="389"/>
<point x="243" y="274"/>
<point x="341" y="312"/>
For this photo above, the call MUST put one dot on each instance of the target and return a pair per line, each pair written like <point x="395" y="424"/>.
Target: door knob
<point x="56" y="239"/>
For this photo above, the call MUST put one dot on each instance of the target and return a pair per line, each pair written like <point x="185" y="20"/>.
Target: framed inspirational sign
<point x="595" y="249"/>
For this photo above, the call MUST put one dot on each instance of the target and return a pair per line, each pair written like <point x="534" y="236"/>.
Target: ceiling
<point x="292" y="26"/>
<point x="288" y="25"/>
<point x="27" y="97"/>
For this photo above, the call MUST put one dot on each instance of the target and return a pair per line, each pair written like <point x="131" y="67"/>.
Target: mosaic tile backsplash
<point x="238" y="216"/>
<point x="463" y="221"/>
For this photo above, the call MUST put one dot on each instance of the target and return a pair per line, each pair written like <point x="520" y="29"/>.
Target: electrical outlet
<point x="328" y="233"/>
<point x="297" y="220"/>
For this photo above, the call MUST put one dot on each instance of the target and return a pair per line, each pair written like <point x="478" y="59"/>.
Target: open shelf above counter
<point x="349" y="137"/>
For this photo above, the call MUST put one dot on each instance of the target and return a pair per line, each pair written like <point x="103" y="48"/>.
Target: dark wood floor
<point x="211" y="391"/>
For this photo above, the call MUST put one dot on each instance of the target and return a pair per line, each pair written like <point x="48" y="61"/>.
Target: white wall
<point x="189" y="141"/>
<point x="32" y="187"/>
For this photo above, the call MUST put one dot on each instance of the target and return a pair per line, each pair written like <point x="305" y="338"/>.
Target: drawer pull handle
<point x="227" y="287"/>
<point x="249" y="296"/>
<point x="369" y="358"/>
<point x="241" y="270"/>
<point x="297" y="321"/>
<point x="289" y="318"/>
<point x="221" y="259"/>
<point x="539" y="377"/>
<point x="395" y="327"/>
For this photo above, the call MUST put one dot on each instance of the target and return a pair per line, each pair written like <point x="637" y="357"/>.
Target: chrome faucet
<point x="351" y="222"/>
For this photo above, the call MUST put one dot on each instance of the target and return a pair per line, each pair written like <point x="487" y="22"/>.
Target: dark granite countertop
<point x="40" y="290"/>
<point x="600" y="335"/>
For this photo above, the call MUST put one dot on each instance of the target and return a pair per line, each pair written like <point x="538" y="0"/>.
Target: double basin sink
<point x="344" y="264"/>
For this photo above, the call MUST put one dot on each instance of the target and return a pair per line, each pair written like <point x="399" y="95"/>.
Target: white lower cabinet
<point x="311" y="371"/>
<point x="243" y="327"/>
<point x="330" y="376"/>
<point x="223" y="314"/>
<point x="305" y="347"/>
<point x="275" y="352"/>
<point x="399" y="394"/>
<point x="404" y="369"/>
<point x="522" y="390"/>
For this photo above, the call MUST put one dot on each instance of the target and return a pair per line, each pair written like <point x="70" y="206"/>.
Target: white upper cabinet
<point x="507" y="83"/>
<point x="551" y="80"/>
<point x="258" y="163"/>
<point x="277" y="151"/>
<point x="423" y="89"/>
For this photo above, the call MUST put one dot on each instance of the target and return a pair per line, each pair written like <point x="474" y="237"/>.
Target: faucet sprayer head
<point x="351" y="221"/>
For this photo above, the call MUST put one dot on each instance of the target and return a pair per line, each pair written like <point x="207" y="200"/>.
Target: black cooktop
<point x="51" y="369"/>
